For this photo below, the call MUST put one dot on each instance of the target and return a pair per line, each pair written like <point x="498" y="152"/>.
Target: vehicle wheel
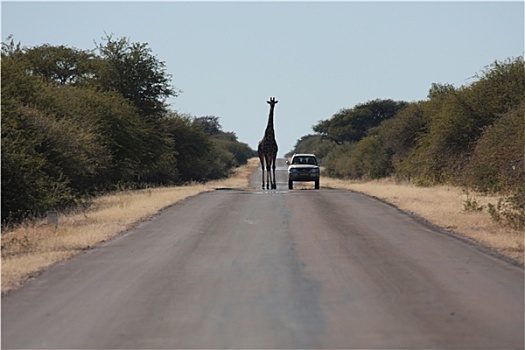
<point x="316" y="184"/>
<point x="290" y="184"/>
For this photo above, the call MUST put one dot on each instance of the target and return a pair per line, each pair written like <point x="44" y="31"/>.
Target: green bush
<point x="30" y="184"/>
<point x="510" y="211"/>
<point x="75" y="125"/>
<point x="497" y="163"/>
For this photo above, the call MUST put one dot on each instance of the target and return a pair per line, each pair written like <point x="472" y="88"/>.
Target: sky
<point x="316" y="58"/>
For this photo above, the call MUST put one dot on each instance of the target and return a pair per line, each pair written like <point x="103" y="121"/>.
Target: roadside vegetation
<point x="80" y="123"/>
<point x="472" y="137"/>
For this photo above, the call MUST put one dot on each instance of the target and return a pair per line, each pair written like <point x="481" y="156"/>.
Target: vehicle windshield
<point x="304" y="160"/>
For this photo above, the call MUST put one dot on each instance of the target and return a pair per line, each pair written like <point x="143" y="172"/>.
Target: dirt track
<point x="273" y="269"/>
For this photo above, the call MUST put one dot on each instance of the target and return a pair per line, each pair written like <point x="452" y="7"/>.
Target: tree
<point x="464" y="114"/>
<point x="351" y="125"/>
<point x="132" y="70"/>
<point x="29" y="183"/>
<point x="371" y="158"/>
<point x="192" y="147"/>
<point x="498" y="160"/>
<point x="439" y="90"/>
<point x="501" y="86"/>
<point x="16" y="82"/>
<point x="401" y="133"/>
<point x="210" y="124"/>
<point x="62" y="140"/>
<point x="60" y="64"/>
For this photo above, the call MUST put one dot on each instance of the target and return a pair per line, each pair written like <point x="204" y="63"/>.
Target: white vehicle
<point x="303" y="167"/>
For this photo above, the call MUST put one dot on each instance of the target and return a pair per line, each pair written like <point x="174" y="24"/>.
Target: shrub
<point x="497" y="163"/>
<point x="510" y="211"/>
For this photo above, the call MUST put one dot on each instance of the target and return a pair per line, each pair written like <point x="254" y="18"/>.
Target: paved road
<point x="273" y="269"/>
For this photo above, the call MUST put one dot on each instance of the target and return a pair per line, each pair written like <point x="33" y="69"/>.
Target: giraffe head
<point x="272" y="101"/>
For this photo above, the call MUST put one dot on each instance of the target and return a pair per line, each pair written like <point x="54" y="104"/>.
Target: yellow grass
<point x="34" y="246"/>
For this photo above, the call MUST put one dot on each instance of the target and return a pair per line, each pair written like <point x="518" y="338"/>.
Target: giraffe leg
<point x="274" y="184"/>
<point x="268" y="177"/>
<point x="268" y="173"/>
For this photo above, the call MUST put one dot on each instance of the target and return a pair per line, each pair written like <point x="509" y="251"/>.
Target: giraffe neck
<point x="270" y="119"/>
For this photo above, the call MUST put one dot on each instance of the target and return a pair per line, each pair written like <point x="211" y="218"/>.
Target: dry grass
<point x="33" y="246"/>
<point x="444" y="206"/>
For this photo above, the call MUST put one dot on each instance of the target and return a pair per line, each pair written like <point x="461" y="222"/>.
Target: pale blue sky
<point x="316" y="58"/>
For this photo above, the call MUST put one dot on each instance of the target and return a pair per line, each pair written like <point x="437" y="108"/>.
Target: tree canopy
<point x="351" y="125"/>
<point x="133" y="71"/>
<point x="470" y="136"/>
<point x="76" y="123"/>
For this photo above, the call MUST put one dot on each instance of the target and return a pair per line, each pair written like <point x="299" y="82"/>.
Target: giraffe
<point x="267" y="149"/>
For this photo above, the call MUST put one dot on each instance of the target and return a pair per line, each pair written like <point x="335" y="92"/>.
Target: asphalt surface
<point x="273" y="269"/>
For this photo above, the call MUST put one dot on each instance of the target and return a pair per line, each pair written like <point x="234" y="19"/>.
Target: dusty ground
<point x="33" y="246"/>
